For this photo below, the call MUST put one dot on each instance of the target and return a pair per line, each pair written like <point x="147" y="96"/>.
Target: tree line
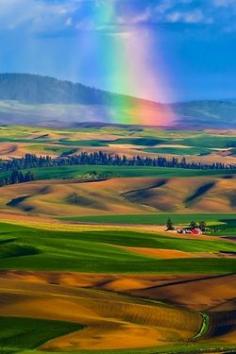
<point x="101" y="158"/>
<point x="193" y="225"/>
<point x="16" y="177"/>
<point x="29" y="161"/>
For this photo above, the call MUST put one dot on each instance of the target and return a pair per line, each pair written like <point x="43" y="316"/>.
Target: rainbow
<point x="130" y="62"/>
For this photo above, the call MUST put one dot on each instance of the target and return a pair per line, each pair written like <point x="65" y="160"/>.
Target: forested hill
<point x="36" y="89"/>
<point x="39" y="100"/>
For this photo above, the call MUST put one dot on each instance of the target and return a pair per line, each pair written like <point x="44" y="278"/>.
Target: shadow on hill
<point x="79" y="200"/>
<point x="45" y="190"/>
<point x="232" y="199"/>
<point x="18" y="203"/>
<point x="222" y="323"/>
<point x="17" y="250"/>
<point x="141" y="195"/>
<point x="200" y="192"/>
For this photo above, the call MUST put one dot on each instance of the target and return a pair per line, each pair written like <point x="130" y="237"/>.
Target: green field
<point x="33" y="254"/>
<point x="189" y="348"/>
<point x="208" y="141"/>
<point x="17" y="334"/>
<point x="218" y="224"/>
<point x="197" y="151"/>
<point x="73" y="172"/>
<point x="85" y="143"/>
<point x="102" y="252"/>
<point x="148" y="139"/>
<point x="122" y="171"/>
<point x="228" y="228"/>
<point x="158" y="219"/>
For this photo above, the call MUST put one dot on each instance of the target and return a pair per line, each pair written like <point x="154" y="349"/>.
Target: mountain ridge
<point x="43" y="100"/>
<point x="68" y="92"/>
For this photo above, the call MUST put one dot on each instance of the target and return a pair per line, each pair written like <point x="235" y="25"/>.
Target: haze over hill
<point x="38" y="100"/>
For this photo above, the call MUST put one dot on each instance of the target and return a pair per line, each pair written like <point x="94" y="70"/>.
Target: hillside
<point x="121" y="196"/>
<point x="205" y="114"/>
<point x="45" y="101"/>
<point x="35" y="89"/>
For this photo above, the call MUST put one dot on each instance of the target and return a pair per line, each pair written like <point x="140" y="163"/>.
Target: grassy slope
<point x="219" y="224"/>
<point x="226" y="229"/>
<point x="146" y="139"/>
<point x="98" y="252"/>
<point x="70" y="172"/>
<point x="17" y="334"/>
<point x="179" y="151"/>
<point x="25" y="248"/>
<point x="155" y="219"/>
<point x="142" y="136"/>
<point x="209" y="141"/>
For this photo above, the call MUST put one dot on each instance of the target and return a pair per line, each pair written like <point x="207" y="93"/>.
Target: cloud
<point x="224" y="3"/>
<point x="36" y="14"/>
<point x="136" y="18"/>
<point x="166" y="11"/>
<point x="188" y="17"/>
<point x="120" y="16"/>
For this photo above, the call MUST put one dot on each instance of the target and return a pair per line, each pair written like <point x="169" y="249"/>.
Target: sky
<point x="164" y="50"/>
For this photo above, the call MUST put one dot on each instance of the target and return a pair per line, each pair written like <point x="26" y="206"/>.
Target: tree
<point x="29" y="176"/>
<point x="16" y="177"/>
<point x="203" y="226"/>
<point x="193" y="225"/>
<point x="169" y="225"/>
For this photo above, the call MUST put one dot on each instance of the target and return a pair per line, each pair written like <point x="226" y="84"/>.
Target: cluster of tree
<point x="201" y="225"/>
<point x="170" y="225"/>
<point x="17" y="176"/>
<point x="102" y="158"/>
<point x="193" y="225"/>
<point x="95" y="176"/>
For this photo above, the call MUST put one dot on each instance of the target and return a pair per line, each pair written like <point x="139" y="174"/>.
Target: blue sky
<point x="195" y="41"/>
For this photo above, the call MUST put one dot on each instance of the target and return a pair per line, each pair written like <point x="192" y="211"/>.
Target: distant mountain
<point x="36" y="89"/>
<point x="206" y="114"/>
<point x="38" y="100"/>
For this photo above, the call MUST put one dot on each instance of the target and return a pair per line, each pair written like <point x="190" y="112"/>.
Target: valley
<point x="118" y="177"/>
<point x="86" y="263"/>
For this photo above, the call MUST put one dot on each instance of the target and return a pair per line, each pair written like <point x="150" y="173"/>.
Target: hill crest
<point x="45" y="101"/>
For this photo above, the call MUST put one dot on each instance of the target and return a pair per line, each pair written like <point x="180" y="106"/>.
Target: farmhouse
<point x="195" y="231"/>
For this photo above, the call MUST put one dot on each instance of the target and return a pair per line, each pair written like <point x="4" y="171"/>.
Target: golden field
<point x="111" y="320"/>
<point x="87" y="244"/>
<point x="119" y="196"/>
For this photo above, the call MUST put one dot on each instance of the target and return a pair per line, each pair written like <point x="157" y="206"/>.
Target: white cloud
<point x="69" y="22"/>
<point x="136" y="19"/>
<point x="189" y="17"/>
<point x="164" y="6"/>
<point x="38" y="14"/>
<point x="57" y="15"/>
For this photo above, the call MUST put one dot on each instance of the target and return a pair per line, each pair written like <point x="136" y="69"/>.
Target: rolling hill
<point x="120" y="196"/>
<point x="38" y="100"/>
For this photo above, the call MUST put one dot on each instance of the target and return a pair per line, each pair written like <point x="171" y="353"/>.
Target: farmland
<point x="158" y="197"/>
<point x="33" y="249"/>
<point x="201" y="146"/>
<point x="86" y="263"/>
<point x="20" y="333"/>
<point x="67" y="291"/>
<point x="157" y="219"/>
